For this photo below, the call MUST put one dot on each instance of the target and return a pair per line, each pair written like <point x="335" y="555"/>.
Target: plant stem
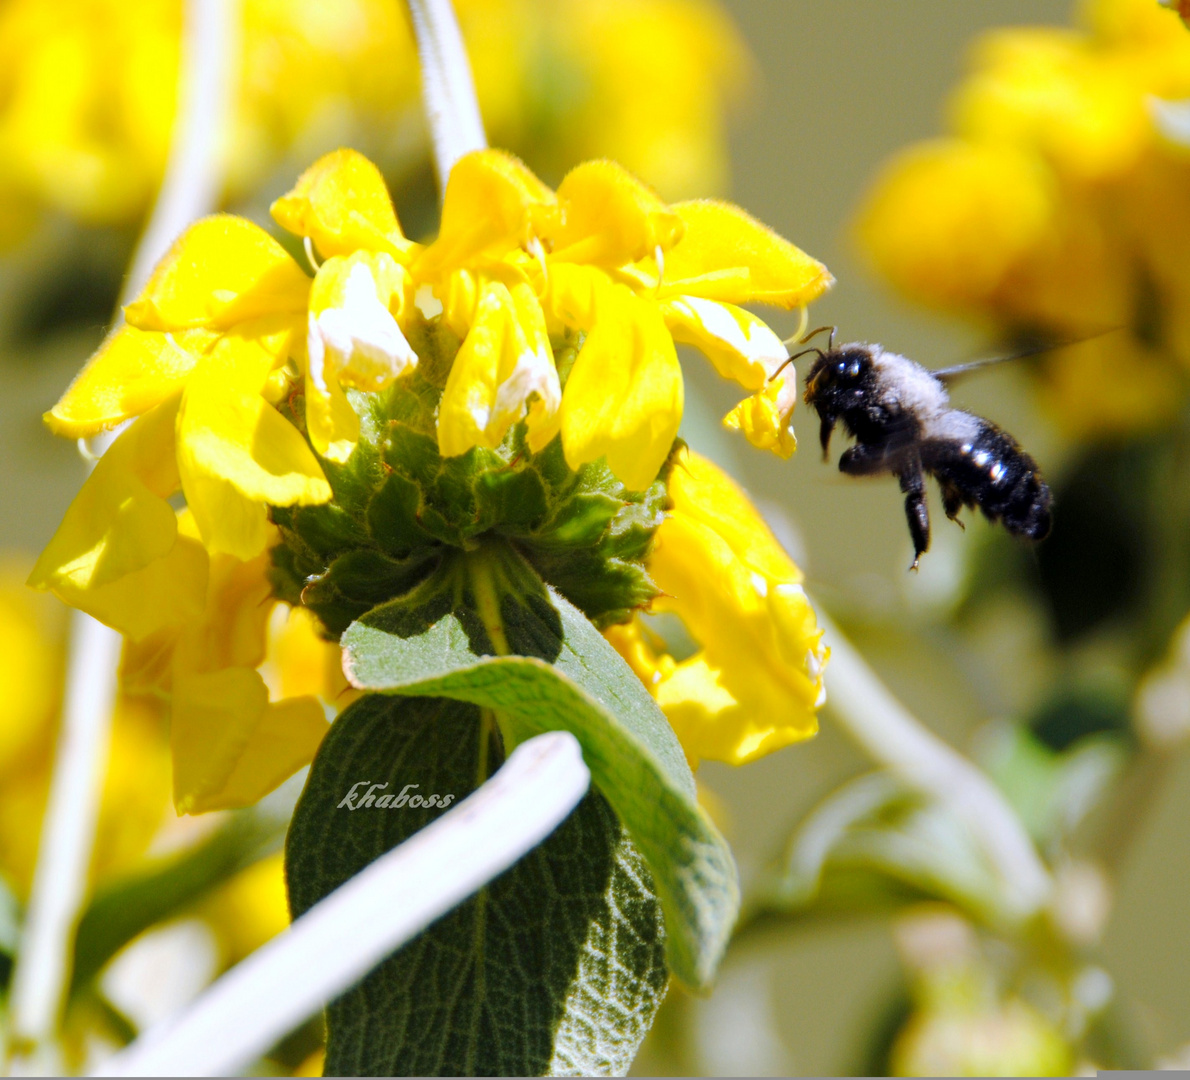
<point x="189" y="189"/>
<point x="448" y="91"/>
<point x="345" y="935"/>
<point x="886" y="730"/>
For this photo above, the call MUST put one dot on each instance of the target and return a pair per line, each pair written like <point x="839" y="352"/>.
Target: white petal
<point x="361" y="337"/>
<point x="534" y="373"/>
<point x="757" y="343"/>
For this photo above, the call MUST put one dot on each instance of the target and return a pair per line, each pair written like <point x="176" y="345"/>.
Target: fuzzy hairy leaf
<point x="555" y="968"/>
<point x="569" y="678"/>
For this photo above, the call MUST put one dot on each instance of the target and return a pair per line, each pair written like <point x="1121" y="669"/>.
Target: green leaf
<point x="128" y="906"/>
<point x="557" y="967"/>
<point x="569" y="679"/>
<point x="875" y="845"/>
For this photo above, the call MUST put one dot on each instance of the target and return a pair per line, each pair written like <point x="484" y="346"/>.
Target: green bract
<point x="401" y="510"/>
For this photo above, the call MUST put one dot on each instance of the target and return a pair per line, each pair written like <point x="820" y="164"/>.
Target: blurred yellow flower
<point x="135" y="796"/>
<point x="1058" y="209"/>
<point x="755" y="683"/>
<point x="90" y="89"/>
<point x="249" y="910"/>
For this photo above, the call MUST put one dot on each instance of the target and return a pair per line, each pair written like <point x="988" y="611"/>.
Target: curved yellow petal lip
<point x="741" y="346"/>
<point x="726" y="254"/>
<point x="764" y="418"/>
<point x="132" y="372"/>
<point x="342" y="204"/>
<point x="504" y="371"/>
<point x="493" y="205"/>
<point x="608" y="217"/>
<point x="221" y="271"/>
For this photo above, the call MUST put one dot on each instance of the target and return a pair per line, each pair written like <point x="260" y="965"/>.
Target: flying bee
<point x="900" y="416"/>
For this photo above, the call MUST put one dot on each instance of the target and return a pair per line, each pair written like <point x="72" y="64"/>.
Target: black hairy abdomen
<point x="993" y="473"/>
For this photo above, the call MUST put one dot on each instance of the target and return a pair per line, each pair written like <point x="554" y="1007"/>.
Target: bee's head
<point x="840" y="379"/>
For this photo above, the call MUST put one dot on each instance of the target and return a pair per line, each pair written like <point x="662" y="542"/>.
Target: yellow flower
<point x="756" y="681"/>
<point x="90" y="91"/>
<point x="230" y="324"/>
<point x="1058" y="209"/>
<point x="517" y="266"/>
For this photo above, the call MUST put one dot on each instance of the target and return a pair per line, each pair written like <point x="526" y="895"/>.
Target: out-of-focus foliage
<point x="88" y="92"/>
<point x="1059" y="209"/>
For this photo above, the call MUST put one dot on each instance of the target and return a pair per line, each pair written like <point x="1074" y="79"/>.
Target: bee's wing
<point x="1037" y="349"/>
<point x="954" y="372"/>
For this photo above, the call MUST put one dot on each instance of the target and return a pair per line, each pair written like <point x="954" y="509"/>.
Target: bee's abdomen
<point x="989" y="470"/>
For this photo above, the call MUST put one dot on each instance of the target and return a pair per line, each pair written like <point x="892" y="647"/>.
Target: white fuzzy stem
<point x="193" y="179"/>
<point x="344" y="936"/>
<point x="189" y="189"/>
<point x="67" y="837"/>
<point x="448" y="91"/>
<point x="886" y="730"/>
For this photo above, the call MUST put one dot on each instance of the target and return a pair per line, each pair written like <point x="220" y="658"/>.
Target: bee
<point x="900" y="416"/>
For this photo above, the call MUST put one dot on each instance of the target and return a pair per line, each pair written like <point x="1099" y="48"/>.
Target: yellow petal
<point x="624" y="396"/>
<point x="233" y="626"/>
<point x="133" y="371"/>
<point x="701" y="491"/>
<point x="711" y="724"/>
<point x="608" y="217"/>
<point x="221" y="271"/>
<point x="352" y="339"/>
<point x="331" y="422"/>
<point x="764" y="418"/>
<point x="236" y="453"/>
<point x="120" y="520"/>
<point x="727" y="255"/>
<point x="250" y="909"/>
<point x="230" y="746"/>
<point x="117" y="555"/>
<point x="300" y="661"/>
<point x="341" y="203"/>
<point x="721" y="570"/>
<point x="168" y="592"/>
<point x="741" y="346"/>
<point x="504" y="362"/>
<point x="491" y="206"/>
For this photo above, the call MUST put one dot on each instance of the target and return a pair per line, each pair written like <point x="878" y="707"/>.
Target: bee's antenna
<point x="795" y="356"/>
<point x="830" y="343"/>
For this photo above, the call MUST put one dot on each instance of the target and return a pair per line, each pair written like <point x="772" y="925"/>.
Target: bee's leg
<point x="913" y="485"/>
<point x="952" y="503"/>
<point x="863" y="460"/>
<point x="825" y="428"/>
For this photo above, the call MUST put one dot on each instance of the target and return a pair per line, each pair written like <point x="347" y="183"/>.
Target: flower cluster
<point x="90" y="90"/>
<point x="518" y="375"/>
<point x="1058" y="209"/>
